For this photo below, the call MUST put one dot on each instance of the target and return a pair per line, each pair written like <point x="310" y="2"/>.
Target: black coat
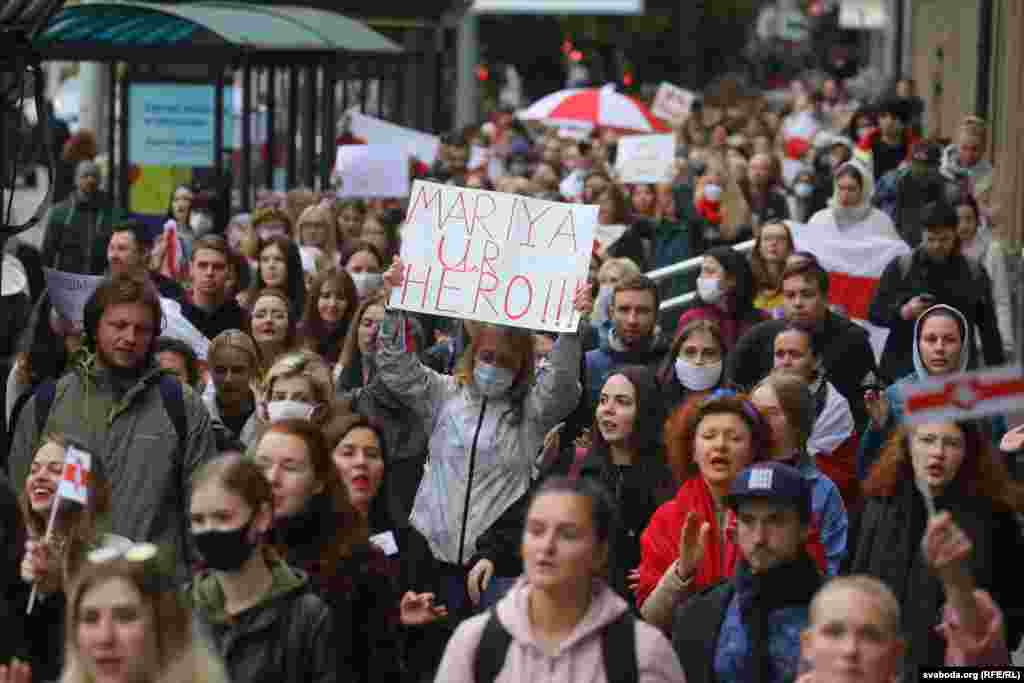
<point x="846" y="355"/>
<point x="639" y="490"/>
<point x="889" y="548"/>
<point x="284" y="640"/>
<point x="959" y="284"/>
<point x="230" y="316"/>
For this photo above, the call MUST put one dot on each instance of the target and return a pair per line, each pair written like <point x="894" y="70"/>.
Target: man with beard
<point x="748" y="628"/>
<point x="128" y="252"/>
<point x="846" y="355"/>
<point x="904" y="193"/>
<point x="148" y="432"/>
<point x="767" y="204"/>
<point x="934" y="273"/>
<point x="76" y="231"/>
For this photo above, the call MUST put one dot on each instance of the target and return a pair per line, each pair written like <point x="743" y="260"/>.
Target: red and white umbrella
<point x="597" y="106"/>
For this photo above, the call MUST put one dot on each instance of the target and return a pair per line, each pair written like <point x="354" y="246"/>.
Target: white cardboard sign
<point x="672" y="103"/>
<point x="372" y="171"/>
<point x="421" y="146"/>
<point x="495" y="257"/>
<point x="645" y="158"/>
<point x="70" y="291"/>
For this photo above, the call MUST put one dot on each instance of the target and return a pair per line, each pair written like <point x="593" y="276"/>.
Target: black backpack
<point x="618" y="649"/>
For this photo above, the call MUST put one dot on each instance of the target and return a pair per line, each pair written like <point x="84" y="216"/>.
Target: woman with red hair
<point x="924" y="470"/>
<point x="710" y="440"/>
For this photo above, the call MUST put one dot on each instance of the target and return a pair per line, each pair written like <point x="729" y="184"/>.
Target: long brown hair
<point x="682" y="425"/>
<point x="350" y="529"/>
<point x="691" y="328"/>
<point x="764" y="278"/>
<point x="350" y="348"/>
<point x="76" y="526"/>
<point x="313" y="328"/>
<point x="982" y="472"/>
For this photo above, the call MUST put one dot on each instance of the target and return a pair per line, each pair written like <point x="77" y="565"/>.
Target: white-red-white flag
<point x="993" y="391"/>
<point x="854" y="267"/>
<point x="74" y="483"/>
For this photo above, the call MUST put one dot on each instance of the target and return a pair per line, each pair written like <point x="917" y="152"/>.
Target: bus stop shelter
<point x="210" y="57"/>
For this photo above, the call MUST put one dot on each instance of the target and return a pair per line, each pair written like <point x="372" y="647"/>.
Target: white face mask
<point x="709" y="289"/>
<point x="367" y="283"/>
<point x="284" y="410"/>
<point x="803" y="190"/>
<point x="712" y="192"/>
<point x="698" y="377"/>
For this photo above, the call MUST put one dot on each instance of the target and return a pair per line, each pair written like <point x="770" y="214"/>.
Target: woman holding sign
<point x="56" y="548"/>
<point x="946" y="468"/>
<point x="486" y="423"/>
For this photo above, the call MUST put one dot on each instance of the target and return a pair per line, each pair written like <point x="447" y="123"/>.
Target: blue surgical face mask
<point x="493" y="380"/>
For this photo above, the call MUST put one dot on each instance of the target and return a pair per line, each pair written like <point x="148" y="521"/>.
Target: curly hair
<point x="682" y="425"/>
<point x="982" y="473"/>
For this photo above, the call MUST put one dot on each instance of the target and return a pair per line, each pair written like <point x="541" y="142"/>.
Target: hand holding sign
<point x="1013" y="440"/>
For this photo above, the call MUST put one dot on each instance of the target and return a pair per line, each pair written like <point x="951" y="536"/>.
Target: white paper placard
<point x="672" y="103"/>
<point x="70" y="291"/>
<point x="645" y="158"/>
<point x="372" y="171"/>
<point x="421" y="146"/>
<point x="494" y="257"/>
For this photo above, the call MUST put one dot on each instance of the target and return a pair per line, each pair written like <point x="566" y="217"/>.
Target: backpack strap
<point x="490" y="653"/>
<point x="173" y="396"/>
<point x="618" y="649"/>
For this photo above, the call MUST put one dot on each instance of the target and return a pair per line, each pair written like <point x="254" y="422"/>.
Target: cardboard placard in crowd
<point x="372" y="171"/>
<point x="645" y="158"/>
<point x="495" y="257"/>
<point x="177" y="326"/>
<point x="421" y="146"/>
<point x="672" y="103"/>
<point x="964" y="396"/>
<point x="70" y="291"/>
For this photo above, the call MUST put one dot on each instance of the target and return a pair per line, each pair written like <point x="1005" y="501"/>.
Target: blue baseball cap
<point x="772" y="481"/>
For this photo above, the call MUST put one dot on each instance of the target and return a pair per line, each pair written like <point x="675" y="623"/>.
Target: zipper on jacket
<point x="469" y="480"/>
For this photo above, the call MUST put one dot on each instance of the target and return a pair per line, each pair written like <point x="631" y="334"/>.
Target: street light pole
<point x="467" y="101"/>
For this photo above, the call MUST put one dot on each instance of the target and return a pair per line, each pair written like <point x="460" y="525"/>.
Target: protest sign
<point x="964" y="396"/>
<point x="372" y="171"/>
<point x="494" y="257"/>
<point x="421" y="146"/>
<point x="672" y="103"/>
<point x="70" y="291"/>
<point x="606" y="235"/>
<point x="177" y="326"/>
<point x="645" y="158"/>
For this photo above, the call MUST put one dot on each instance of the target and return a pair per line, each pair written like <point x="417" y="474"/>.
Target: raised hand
<point x="394" y="276"/>
<point x="584" y="299"/>
<point x="1013" y="441"/>
<point x="693" y="539"/>
<point x="16" y="672"/>
<point x="947" y="549"/>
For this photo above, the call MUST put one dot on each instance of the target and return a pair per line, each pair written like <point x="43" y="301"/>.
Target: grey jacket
<point x="511" y="433"/>
<point x="135" y="441"/>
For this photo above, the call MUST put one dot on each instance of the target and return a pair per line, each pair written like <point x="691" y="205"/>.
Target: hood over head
<point x="965" y="334"/>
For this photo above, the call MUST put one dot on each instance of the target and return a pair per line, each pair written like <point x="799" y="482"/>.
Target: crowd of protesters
<point x="343" y="491"/>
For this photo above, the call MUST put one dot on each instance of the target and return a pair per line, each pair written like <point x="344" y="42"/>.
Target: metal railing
<point x="684" y="268"/>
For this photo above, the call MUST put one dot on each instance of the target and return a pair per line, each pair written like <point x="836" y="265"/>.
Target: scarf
<point x="789" y="584"/>
<point x="710" y="211"/>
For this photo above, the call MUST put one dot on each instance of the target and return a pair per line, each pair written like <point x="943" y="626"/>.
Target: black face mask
<point x="225" y="550"/>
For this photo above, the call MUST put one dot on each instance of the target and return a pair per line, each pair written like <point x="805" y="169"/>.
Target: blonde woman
<point x="722" y="211"/>
<point x="298" y="385"/>
<point x="234" y="363"/>
<point x="317" y="238"/>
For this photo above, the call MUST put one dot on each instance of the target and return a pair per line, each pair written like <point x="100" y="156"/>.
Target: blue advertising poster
<point x="171" y="124"/>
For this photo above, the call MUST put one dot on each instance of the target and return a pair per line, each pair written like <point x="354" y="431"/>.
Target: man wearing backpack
<point x="116" y="403"/>
<point x="934" y="273"/>
<point x="748" y="628"/>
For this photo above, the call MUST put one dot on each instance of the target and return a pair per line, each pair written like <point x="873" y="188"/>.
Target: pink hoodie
<point x="579" y="659"/>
